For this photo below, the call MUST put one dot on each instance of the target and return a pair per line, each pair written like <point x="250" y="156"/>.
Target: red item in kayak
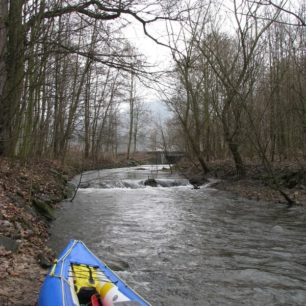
<point x="95" y="300"/>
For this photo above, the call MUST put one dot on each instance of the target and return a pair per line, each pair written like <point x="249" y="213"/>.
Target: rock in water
<point x="150" y="182"/>
<point x="198" y="181"/>
<point x="277" y="229"/>
<point x="44" y="262"/>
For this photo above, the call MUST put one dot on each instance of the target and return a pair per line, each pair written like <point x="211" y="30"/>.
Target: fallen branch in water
<point x="77" y="188"/>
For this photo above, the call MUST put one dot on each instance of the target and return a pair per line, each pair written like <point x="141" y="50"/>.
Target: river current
<point x="188" y="246"/>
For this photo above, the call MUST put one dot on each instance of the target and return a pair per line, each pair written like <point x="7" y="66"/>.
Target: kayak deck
<point x="79" y="278"/>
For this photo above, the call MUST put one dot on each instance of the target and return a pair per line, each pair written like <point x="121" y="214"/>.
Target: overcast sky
<point x="157" y="55"/>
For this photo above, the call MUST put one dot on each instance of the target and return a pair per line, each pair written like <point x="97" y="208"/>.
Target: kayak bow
<point x="79" y="278"/>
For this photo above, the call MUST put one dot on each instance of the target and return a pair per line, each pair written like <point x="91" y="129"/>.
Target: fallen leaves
<point x="20" y="272"/>
<point x="4" y="252"/>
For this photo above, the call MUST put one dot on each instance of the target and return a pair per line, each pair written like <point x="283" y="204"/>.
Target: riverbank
<point x="255" y="184"/>
<point x="29" y="193"/>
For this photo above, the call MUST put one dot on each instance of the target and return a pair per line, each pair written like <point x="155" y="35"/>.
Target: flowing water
<point x="186" y="246"/>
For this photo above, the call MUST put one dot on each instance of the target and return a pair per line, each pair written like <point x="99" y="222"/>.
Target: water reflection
<point x="191" y="247"/>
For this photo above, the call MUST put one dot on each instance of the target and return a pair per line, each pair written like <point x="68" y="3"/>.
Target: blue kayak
<point x="79" y="278"/>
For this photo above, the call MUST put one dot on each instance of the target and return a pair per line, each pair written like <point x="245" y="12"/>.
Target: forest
<point x="235" y="87"/>
<point x="78" y="92"/>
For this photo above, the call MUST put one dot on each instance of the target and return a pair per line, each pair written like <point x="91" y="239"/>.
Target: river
<point x="188" y="246"/>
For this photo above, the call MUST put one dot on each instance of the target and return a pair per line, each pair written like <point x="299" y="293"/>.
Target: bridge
<point x="168" y="157"/>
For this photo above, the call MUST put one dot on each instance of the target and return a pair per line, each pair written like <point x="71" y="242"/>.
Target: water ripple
<point x="191" y="247"/>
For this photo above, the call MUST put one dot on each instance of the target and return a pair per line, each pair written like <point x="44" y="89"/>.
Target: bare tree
<point x="3" y="73"/>
<point x="30" y="38"/>
<point x="131" y="114"/>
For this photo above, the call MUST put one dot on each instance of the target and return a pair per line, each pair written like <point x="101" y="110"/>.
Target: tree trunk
<point x="234" y="148"/>
<point x="60" y="72"/>
<point x="13" y="84"/>
<point x="135" y="139"/>
<point x="3" y="72"/>
<point x="231" y="133"/>
<point x="107" y="111"/>
<point x="77" y="90"/>
<point x="131" y="117"/>
<point x="87" y="117"/>
<point x="196" y="150"/>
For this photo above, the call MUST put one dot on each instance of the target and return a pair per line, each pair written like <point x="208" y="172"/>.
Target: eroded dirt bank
<point x="256" y="184"/>
<point x="28" y="194"/>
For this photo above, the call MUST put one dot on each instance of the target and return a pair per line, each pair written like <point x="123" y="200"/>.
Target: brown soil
<point x="24" y="230"/>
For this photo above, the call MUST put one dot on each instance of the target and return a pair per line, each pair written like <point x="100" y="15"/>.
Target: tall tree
<point x="131" y="114"/>
<point x="3" y="72"/>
